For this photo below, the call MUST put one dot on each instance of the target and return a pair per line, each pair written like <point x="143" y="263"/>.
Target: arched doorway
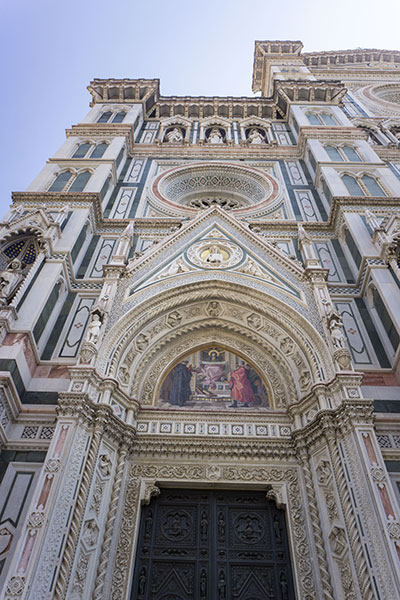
<point x="212" y="545"/>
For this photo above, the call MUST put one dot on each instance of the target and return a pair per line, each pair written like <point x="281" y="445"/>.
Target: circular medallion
<point x="249" y="528"/>
<point x="214" y="254"/>
<point x="176" y="525"/>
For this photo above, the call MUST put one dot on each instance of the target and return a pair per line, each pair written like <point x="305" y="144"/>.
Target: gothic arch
<point x="152" y="336"/>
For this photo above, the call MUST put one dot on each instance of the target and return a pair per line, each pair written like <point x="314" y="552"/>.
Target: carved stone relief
<point x="286" y="478"/>
<point x="140" y="356"/>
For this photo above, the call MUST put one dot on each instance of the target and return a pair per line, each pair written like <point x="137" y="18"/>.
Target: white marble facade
<point x="205" y="294"/>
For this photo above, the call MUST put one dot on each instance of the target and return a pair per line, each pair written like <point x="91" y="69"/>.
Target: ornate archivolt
<point x="281" y="344"/>
<point x="282" y="484"/>
<point x="220" y="332"/>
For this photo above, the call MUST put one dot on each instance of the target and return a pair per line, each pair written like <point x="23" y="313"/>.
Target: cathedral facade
<point x="200" y="321"/>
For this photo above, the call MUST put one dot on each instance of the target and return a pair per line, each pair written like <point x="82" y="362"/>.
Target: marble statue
<point x="9" y="279"/>
<point x="215" y="136"/>
<point x="255" y="137"/>
<point x="94" y="328"/>
<point x="174" y="136"/>
<point x="335" y="327"/>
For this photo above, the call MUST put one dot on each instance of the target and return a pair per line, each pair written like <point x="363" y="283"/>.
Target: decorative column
<point x="104" y="559"/>
<point x="330" y="318"/>
<point x="326" y="584"/>
<point x="32" y="570"/>
<point x="350" y="530"/>
<point x="77" y="515"/>
<point x="358" y="551"/>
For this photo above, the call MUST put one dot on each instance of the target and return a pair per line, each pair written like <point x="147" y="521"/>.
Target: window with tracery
<point x="88" y="150"/>
<point x="342" y="153"/>
<point x="67" y="181"/>
<point x="25" y="249"/>
<point x="364" y="185"/>
<point x="322" y="118"/>
<point x="114" y="117"/>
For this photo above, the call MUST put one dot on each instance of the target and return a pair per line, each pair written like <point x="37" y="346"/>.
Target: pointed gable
<point x="215" y="245"/>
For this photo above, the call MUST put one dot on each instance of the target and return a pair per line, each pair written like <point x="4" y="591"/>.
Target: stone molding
<point x="283" y="481"/>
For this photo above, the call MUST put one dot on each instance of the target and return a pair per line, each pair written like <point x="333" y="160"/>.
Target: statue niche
<point x="174" y="135"/>
<point x="213" y="379"/>
<point x="16" y="258"/>
<point x="255" y="136"/>
<point x="215" y="135"/>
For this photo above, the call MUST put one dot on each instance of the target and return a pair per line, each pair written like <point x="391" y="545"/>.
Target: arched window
<point x="351" y="154"/>
<point x="82" y="150"/>
<point x="119" y="117"/>
<point x="333" y="153"/>
<point x="80" y="182"/>
<point x="327" y="119"/>
<point x="25" y="249"/>
<point x="313" y="119"/>
<point x="372" y="186"/>
<point x="99" y="150"/>
<point x="105" y="117"/>
<point x="352" y="186"/>
<point x="60" y="182"/>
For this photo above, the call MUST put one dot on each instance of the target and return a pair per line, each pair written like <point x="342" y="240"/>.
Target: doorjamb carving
<point x="280" y="483"/>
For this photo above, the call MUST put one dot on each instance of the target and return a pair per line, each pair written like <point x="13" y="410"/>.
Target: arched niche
<point x="152" y="337"/>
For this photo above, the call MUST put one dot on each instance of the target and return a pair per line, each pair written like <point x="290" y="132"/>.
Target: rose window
<point x="229" y="186"/>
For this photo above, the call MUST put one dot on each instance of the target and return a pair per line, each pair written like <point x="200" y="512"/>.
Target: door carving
<point x="212" y="545"/>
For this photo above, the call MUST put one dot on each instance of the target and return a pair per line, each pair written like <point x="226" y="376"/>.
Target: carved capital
<point x="278" y="494"/>
<point x="149" y="489"/>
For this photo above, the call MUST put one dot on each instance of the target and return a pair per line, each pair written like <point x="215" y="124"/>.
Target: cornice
<point x="348" y="75"/>
<point x="104" y="130"/>
<point x="223" y="152"/>
<point x="388" y="153"/>
<point x="379" y="55"/>
<point x="222" y="448"/>
<point x="276" y="416"/>
<point x="78" y="406"/>
<point x="82" y="375"/>
<point x="339" y="205"/>
<point x="91" y="200"/>
<point x="319" y="92"/>
<point x="359" y="204"/>
<point x="130" y="91"/>
<point x="328" y="134"/>
<point x="390" y="454"/>
<point x="335" y="423"/>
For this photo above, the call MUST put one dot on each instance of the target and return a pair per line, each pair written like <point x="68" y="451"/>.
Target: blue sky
<point x="51" y="50"/>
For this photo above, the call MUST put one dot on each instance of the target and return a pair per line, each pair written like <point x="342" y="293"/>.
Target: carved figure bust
<point x="215" y="136"/>
<point x="255" y="137"/>
<point x="174" y="136"/>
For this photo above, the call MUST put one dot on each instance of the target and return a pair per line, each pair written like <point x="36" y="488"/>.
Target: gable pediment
<point x="215" y="245"/>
